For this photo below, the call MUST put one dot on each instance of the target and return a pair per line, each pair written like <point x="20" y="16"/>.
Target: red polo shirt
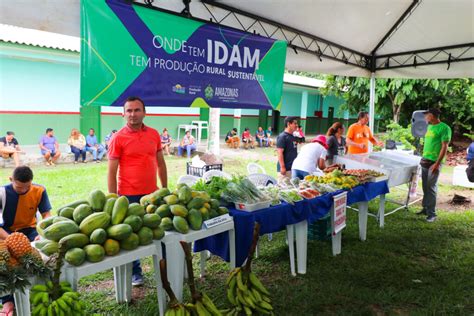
<point x="136" y="152"/>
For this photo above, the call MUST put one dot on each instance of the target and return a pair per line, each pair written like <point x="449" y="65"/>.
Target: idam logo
<point x="179" y="89"/>
<point x="209" y="92"/>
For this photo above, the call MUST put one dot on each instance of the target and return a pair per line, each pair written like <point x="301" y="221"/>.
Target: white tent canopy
<point x="401" y="38"/>
<point x="365" y="38"/>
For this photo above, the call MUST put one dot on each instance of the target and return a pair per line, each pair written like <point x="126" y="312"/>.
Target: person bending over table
<point x="311" y="159"/>
<point x="19" y="202"/>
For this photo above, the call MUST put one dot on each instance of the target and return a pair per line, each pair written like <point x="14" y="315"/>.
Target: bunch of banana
<point x="44" y="305"/>
<point x="203" y="306"/>
<point x="177" y="310"/>
<point x="247" y="294"/>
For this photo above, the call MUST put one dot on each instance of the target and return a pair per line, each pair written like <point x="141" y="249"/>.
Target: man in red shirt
<point x="247" y="139"/>
<point x="136" y="156"/>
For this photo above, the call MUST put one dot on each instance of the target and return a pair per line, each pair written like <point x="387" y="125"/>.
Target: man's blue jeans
<point x="298" y="174"/>
<point x="31" y="233"/>
<point x="97" y="153"/>
<point x="188" y="148"/>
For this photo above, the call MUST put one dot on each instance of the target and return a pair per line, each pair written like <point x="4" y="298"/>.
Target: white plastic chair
<point x="261" y="179"/>
<point x="255" y="168"/>
<point x="215" y="173"/>
<point x="188" y="179"/>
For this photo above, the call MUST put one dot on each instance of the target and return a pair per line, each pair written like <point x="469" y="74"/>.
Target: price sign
<point x="217" y="220"/>
<point x="339" y="212"/>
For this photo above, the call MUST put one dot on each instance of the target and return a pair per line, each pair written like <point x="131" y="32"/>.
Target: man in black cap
<point x="435" y="147"/>
<point x="287" y="148"/>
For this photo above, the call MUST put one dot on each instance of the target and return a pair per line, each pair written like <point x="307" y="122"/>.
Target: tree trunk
<point x="395" y="109"/>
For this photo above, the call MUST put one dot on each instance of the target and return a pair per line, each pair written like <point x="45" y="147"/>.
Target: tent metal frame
<point x="299" y="40"/>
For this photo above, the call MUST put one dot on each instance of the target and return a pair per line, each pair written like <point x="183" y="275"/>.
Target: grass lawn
<point x="409" y="267"/>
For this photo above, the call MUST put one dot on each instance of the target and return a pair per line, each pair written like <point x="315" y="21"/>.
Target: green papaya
<point x="77" y="240"/>
<point x="109" y="205"/>
<point x="184" y="194"/>
<point x="151" y="220"/>
<point x="60" y="229"/>
<point x="214" y="204"/>
<point x="222" y="210"/>
<point x="213" y="213"/>
<point x="205" y="213"/>
<point x="150" y="209"/>
<point x="131" y="242"/>
<point x="119" y="211"/>
<point x="50" y="248"/>
<point x="171" y="199"/>
<point x="179" y="210"/>
<point x="94" y="253"/>
<point x="136" y="222"/>
<point x="195" y="219"/>
<point x="196" y="203"/>
<point x="136" y="209"/>
<point x="81" y="212"/>
<point x="111" y="195"/>
<point x="73" y="204"/>
<point x="111" y="247"/>
<point x="97" y="200"/>
<point x="67" y="212"/>
<point x="94" y="221"/>
<point x="58" y="219"/>
<point x="164" y="211"/>
<point x="44" y="223"/>
<point x="145" y="200"/>
<point x="119" y="231"/>
<point x="98" y="236"/>
<point x="167" y="223"/>
<point x="145" y="235"/>
<point x="180" y="224"/>
<point x="75" y="256"/>
<point x="158" y="233"/>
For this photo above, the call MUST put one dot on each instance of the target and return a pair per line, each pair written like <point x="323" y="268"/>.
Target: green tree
<point x="396" y="99"/>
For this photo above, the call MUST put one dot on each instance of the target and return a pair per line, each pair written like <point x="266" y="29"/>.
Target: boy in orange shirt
<point x="359" y="135"/>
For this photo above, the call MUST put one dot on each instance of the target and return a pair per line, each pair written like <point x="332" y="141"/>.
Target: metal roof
<point x="21" y="35"/>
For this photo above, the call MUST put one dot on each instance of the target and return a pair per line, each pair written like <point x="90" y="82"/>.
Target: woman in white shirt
<point x="311" y="159"/>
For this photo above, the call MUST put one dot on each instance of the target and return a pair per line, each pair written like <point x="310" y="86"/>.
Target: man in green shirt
<point x="435" y="147"/>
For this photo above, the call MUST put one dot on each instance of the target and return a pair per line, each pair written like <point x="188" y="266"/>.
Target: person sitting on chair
<point x="247" y="139"/>
<point x="260" y="136"/>
<point x="187" y="143"/>
<point x="77" y="142"/>
<point x="232" y="139"/>
<point x="166" y="141"/>
<point x="9" y="148"/>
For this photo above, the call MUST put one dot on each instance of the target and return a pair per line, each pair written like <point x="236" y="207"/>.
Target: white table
<point x="201" y="125"/>
<point x="175" y="253"/>
<point x="300" y="230"/>
<point x="122" y="266"/>
<point x="187" y="127"/>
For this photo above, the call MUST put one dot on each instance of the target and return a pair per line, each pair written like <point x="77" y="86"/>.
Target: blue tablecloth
<point x="275" y="218"/>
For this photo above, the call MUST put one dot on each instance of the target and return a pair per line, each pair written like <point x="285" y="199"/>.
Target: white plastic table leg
<point x="256" y="251"/>
<point x="290" y="232"/>
<point x="301" y="230"/>
<point x="381" y="215"/>
<point x="203" y="255"/>
<point x="232" y="248"/>
<point x="363" y="214"/>
<point x="127" y="282"/>
<point x="336" y="243"/>
<point x="22" y="302"/>
<point x="159" y="285"/>
<point x="175" y="268"/>
<point x="119" y="284"/>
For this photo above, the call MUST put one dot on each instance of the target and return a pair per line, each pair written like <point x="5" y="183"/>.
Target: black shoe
<point x="422" y="212"/>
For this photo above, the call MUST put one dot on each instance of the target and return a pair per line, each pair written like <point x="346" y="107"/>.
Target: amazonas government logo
<point x="209" y="92"/>
<point x="179" y="89"/>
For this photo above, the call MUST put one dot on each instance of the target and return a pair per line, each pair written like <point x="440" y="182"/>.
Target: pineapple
<point x="18" y="245"/>
<point x="13" y="263"/>
<point x="4" y="256"/>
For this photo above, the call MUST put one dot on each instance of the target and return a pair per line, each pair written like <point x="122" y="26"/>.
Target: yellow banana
<point x="248" y="299"/>
<point x="262" y="310"/>
<point x="240" y="297"/>
<point x="265" y="305"/>
<point x="248" y="311"/>
<point x="256" y="295"/>
<point x="45" y="298"/>
<point x="39" y="288"/>
<point x="63" y="305"/>
<point x="232" y="275"/>
<point x="240" y="283"/>
<point x="210" y="306"/>
<point x="201" y="309"/>
<point x="36" y="309"/>
<point x="257" y="284"/>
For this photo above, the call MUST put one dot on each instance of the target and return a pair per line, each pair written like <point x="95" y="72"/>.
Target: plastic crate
<point x="320" y="229"/>
<point x="198" y="172"/>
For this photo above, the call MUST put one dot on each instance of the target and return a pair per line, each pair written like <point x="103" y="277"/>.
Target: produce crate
<point x="198" y="172"/>
<point x="320" y="229"/>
